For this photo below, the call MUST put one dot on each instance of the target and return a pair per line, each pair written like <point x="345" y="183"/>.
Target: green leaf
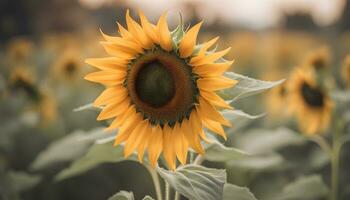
<point x="122" y="195"/>
<point x="21" y="181"/>
<point x="305" y="188"/>
<point x="179" y="32"/>
<point x="234" y="192"/>
<point x="217" y="152"/>
<point x="86" y="107"/>
<point x="258" y="163"/>
<point x="232" y="115"/>
<point x="68" y="148"/>
<point x="147" y="198"/>
<point x="246" y="86"/>
<point x="259" y="141"/>
<point x="196" y="182"/>
<point x="96" y="155"/>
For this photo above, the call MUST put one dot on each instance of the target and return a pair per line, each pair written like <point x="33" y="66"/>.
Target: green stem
<point x="199" y="159"/>
<point x="177" y="196"/>
<point x="167" y="191"/>
<point x="335" y="172"/>
<point x="156" y="182"/>
<point x="337" y="143"/>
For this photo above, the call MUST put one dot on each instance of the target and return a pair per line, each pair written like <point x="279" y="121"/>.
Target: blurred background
<point x="43" y="45"/>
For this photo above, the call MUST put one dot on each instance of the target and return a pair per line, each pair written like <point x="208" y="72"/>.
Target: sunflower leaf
<point x="88" y="106"/>
<point x="122" y="195"/>
<point x="21" y="181"/>
<point x="96" y="155"/>
<point x="246" y="86"/>
<point x="67" y="148"/>
<point x="196" y="182"/>
<point x="217" y="152"/>
<point x="235" y="192"/>
<point x="179" y="32"/>
<point x="305" y="188"/>
<point x="147" y="198"/>
<point x="269" y="140"/>
<point x="257" y="163"/>
<point x="232" y="115"/>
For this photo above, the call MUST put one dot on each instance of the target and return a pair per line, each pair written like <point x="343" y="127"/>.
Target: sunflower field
<point x="186" y="99"/>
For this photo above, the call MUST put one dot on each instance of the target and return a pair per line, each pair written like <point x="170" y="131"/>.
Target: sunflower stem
<point x="199" y="159"/>
<point x="167" y="191"/>
<point x="177" y="196"/>
<point x="156" y="182"/>
<point x="337" y="143"/>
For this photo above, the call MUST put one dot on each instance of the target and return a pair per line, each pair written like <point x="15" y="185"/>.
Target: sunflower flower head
<point x="21" y="79"/>
<point x="68" y="65"/>
<point x="309" y="102"/>
<point x="160" y="89"/>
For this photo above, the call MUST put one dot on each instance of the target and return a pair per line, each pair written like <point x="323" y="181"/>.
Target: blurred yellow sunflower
<point x="346" y="70"/>
<point x="19" y="50"/>
<point x="161" y="89"/>
<point x="21" y="78"/>
<point x="68" y="65"/>
<point x="308" y="101"/>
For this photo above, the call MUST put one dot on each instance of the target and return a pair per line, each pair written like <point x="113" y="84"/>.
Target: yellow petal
<point x="119" y="121"/>
<point x="188" y="42"/>
<point x="169" y="147"/>
<point x="206" y="110"/>
<point x="210" y="58"/>
<point x="111" y="95"/>
<point x="107" y="77"/>
<point x="156" y="147"/>
<point x="197" y="125"/>
<point x="215" y="127"/>
<point x="191" y="134"/>
<point x="178" y="143"/>
<point x="108" y="63"/>
<point x="204" y="49"/>
<point x="214" y="99"/>
<point x="135" y="138"/>
<point x="117" y="52"/>
<point x="164" y="34"/>
<point x="137" y="31"/>
<point x="215" y="83"/>
<point x="114" y="109"/>
<point x="125" y="131"/>
<point x="124" y="44"/>
<point x="144" y="142"/>
<point x="148" y="28"/>
<point x="125" y="33"/>
<point x="213" y="69"/>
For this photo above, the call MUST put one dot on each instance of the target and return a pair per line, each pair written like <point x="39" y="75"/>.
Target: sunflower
<point x="346" y="70"/>
<point x="308" y="101"/>
<point x="68" y="65"/>
<point x="19" y="50"/>
<point x="160" y="89"/>
<point x="22" y="79"/>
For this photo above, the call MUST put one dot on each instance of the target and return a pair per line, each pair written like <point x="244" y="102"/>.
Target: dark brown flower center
<point x="155" y="84"/>
<point x="319" y="63"/>
<point x="162" y="86"/>
<point x="312" y="96"/>
<point x="70" y="67"/>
